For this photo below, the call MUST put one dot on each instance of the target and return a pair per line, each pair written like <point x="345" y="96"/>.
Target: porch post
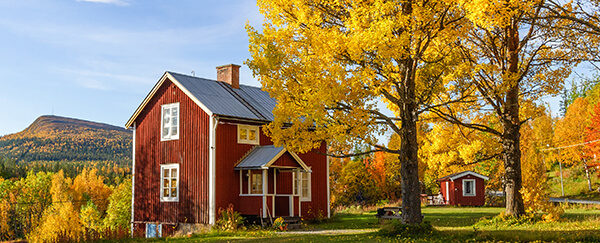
<point x="241" y="191"/>
<point x="274" y="190"/>
<point x="292" y="204"/>
<point x="264" y="192"/>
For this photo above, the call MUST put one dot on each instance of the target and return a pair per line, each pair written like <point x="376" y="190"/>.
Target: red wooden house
<point x="465" y="188"/>
<point x="199" y="146"/>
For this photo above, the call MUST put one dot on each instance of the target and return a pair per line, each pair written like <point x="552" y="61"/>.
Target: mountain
<point x="55" y="138"/>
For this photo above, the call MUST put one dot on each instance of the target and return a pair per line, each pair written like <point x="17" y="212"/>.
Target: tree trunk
<point x="587" y="174"/>
<point x="409" y="165"/>
<point x="512" y="124"/>
<point x="512" y="168"/>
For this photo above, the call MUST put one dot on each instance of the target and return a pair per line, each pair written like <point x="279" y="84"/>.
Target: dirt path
<point x="328" y="232"/>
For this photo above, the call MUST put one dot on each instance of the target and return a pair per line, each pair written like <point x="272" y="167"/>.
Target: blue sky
<point x="97" y="59"/>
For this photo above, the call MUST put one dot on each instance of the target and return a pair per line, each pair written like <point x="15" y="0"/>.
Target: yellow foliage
<point x="329" y="62"/>
<point x="449" y="148"/>
<point x="570" y="130"/>
<point x="6" y="232"/>
<point x="60" y="221"/>
<point x="91" y="218"/>
<point x="90" y="186"/>
<point x="535" y="185"/>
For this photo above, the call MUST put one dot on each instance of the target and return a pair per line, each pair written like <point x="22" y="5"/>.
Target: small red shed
<point x="465" y="188"/>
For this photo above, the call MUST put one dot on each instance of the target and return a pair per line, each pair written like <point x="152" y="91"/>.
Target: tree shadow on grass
<point x="456" y="219"/>
<point x="587" y="235"/>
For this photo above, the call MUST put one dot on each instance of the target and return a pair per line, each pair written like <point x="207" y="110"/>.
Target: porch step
<point x="292" y="222"/>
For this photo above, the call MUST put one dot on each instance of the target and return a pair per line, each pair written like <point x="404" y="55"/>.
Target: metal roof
<point x="246" y="102"/>
<point x="262" y="157"/>
<point x="259" y="157"/>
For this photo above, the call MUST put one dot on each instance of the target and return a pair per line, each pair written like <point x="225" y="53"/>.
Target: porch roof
<point x="263" y="157"/>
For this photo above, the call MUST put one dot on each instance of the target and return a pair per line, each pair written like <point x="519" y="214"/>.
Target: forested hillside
<point x="54" y="138"/>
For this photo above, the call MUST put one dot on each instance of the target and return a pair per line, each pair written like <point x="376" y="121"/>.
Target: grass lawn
<point x="453" y="225"/>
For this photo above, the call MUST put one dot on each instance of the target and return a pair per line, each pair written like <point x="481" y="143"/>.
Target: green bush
<point x="503" y="220"/>
<point x="395" y="228"/>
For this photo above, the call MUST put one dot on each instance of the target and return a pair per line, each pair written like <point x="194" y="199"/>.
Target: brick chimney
<point x="230" y="74"/>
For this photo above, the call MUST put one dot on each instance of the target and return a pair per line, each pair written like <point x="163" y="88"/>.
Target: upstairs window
<point x="248" y="134"/>
<point x="302" y="185"/>
<point x="468" y="187"/>
<point x="170" y="122"/>
<point x="169" y="185"/>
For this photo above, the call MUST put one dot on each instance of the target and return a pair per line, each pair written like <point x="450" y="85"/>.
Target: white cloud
<point x="115" y="2"/>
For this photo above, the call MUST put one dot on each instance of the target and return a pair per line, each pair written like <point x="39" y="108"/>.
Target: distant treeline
<point x="112" y="146"/>
<point x="113" y="172"/>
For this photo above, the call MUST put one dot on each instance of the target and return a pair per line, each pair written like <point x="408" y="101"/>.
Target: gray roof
<point x="461" y="174"/>
<point x="259" y="157"/>
<point x="246" y="102"/>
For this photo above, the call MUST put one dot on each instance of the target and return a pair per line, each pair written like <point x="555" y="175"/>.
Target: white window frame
<point x="297" y="187"/>
<point x="169" y="167"/>
<point x="248" y="129"/>
<point x="464" y="182"/>
<point x="170" y="125"/>
<point x="251" y="181"/>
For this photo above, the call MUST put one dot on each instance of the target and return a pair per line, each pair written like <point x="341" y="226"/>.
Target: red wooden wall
<point x="190" y="151"/>
<point x="456" y="192"/>
<point x="228" y="154"/>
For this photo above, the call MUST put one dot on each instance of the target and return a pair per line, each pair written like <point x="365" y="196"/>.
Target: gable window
<point x="256" y="182"/>
<point x="468" y="187"/>
<point x="248" y="134"/>
<point x="169" y="186"/>
<point x="302" y="185"/>
<point x="170" y="122"/>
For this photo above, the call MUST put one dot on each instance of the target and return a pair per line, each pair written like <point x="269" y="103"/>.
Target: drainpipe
<point x="133" y="178"/>
<point x="214" y="122"/>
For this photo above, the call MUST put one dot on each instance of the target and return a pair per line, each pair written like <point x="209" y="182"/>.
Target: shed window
<point x="468" y="187"/>
<point x="302" y="185"/>
<point x="170" y="122"/>
<point x="256" y="181"/>
<point x="169" y="182"/>
<point x="248" y="134"/>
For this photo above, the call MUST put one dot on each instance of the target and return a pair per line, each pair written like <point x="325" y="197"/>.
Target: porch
<point x="272" y="182"/>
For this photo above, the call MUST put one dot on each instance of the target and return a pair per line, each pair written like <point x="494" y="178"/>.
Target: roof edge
<point x="464" y="173"/>
<point x="156" y="87"/>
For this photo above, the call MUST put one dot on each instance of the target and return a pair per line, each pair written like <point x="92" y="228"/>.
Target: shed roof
<point x="218" y="98"/>
<point x="462" y="174"/>
<point x="262" y="157"/>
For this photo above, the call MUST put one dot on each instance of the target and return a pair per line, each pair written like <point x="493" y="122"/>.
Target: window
<point x="170" y="122"/>
<point x="468" y="187"/>
<point x="248" y="134"/>
<point x="169" y="186"/>
<point x="256" y="181"/>
<point x="302" y="185"/>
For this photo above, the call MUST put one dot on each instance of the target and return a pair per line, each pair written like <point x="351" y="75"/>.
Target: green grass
<point x="452" y="223"/>
<point x="574" y="182"/>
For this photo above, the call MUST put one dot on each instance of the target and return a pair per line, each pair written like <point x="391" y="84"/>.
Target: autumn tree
<point x="579" y="26"/>
<point x="118" y="214"/>
<point x="516" y="57"/>
<point x="60" y="222"/>
<point x="570" y="130"/>
<point x="88" y="186"/>
<point x="328" y="63"/>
